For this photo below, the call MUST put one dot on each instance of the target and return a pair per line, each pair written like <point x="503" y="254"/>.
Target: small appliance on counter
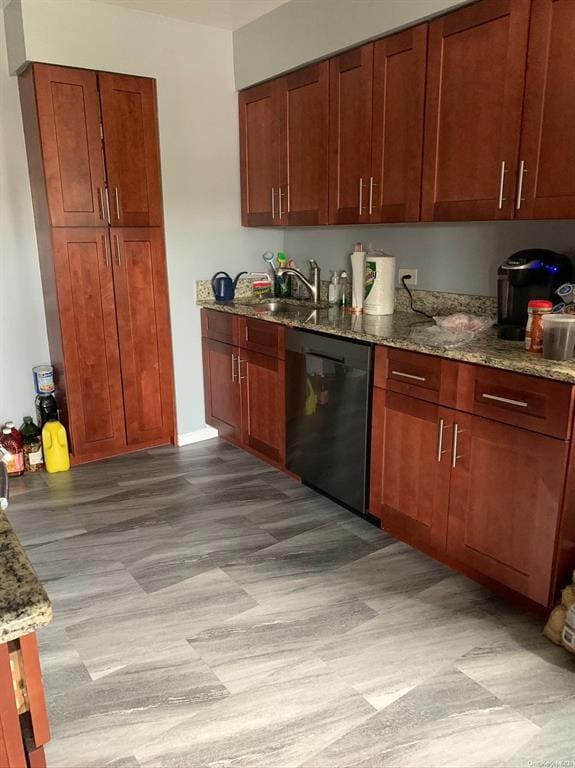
<point x="534" y="273"/>
<point x="224" y="287"/>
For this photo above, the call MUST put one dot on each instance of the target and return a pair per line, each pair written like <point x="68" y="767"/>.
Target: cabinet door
<point x="69" y="121"/>
<point x="142" y="309"/>
<point x="263" y="404"/>
<point x="351" y="76"/>
<point x="410" y="467"/>
<point x="504" y="504"/>
<point x="132" y="149"/>
<point x="83" y="268"/>
<point x="222" y="394"/>
<point x="399" y="68"/>
<point x="476" y="72"/>
<point x="260" y="153"/>
<point x="547" y="156"/>
<point x="304" y="146"/>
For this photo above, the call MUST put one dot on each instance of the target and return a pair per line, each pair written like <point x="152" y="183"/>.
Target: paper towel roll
<point x="380" y="285"/>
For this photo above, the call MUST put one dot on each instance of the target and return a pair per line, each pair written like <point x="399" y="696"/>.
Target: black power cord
<point x="404" y="279"/>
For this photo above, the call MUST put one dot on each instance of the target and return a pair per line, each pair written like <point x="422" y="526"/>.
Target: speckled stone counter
<point x="395" y="331"/>
<point x="24" y="604"/>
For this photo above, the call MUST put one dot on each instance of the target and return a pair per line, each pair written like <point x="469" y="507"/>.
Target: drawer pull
<point x="233" y="367"/>
<point x="409" y="376"/>
<point x="506" y="400"/>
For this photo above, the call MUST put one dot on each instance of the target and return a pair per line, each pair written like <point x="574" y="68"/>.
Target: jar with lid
<point x="534" y="328"/>
<point x="32" y="448"/>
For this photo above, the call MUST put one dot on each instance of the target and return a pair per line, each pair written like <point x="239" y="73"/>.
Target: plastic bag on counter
<point x="437" y="336"/>
<point x="461" y="321"/>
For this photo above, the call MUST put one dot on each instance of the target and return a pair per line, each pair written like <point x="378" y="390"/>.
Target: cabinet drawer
<point x="220" y="326"/>
<point x="417" y="375"/>
<point x="262" y="336"/>
<point x="540" y="405"/>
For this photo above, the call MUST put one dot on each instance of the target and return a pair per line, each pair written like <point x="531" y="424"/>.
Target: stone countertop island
<point x="24" y="604"/>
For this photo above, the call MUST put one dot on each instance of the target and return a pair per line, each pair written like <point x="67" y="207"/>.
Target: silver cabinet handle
<point x="240" y="377"/>
<point x="506" y="400"/>
<point x="280" y="195"/>
<point x="440" y="439"/>
<point x="360" y="195"/>
<point x="273" y="204"/>
<point x="454" y="455"/>
<point x="106" y="254"/>
<point x="501" y="185"/>
<point x="409" y="376"/>
<point x="522" y="173"/>
<point x="371" y="185"/>
<point x="107" y="205"/>
<point x="101" y="203"/>
<point x="233" y="367"/>
<point x="117" y="196"/>
<point x="118" y="252"/>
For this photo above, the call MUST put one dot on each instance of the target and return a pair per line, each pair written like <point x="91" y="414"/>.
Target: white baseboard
<point x="206" y="433"/>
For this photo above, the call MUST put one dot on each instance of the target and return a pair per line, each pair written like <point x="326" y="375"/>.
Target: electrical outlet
<point x="412" y="272"/>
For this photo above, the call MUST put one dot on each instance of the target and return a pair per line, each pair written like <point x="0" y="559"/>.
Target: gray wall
<point x="301" y="31"/>
<point x="457" y="258"/>
<point x="199" y="148"/>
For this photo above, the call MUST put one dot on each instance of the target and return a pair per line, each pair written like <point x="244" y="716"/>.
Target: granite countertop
<point x="395" y="331"/>
<point x="24" y="604"/>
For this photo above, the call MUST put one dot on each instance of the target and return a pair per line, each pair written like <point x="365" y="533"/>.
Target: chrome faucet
<point x="313" y="284"/>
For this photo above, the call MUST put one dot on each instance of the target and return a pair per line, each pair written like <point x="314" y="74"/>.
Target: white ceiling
<point x="226" y="14"/>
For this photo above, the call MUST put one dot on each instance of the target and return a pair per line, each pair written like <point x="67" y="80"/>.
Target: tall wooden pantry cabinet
<point x="93" y="157"/>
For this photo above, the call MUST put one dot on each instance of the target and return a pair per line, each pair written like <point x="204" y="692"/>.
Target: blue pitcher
<point x="224" y="287"/>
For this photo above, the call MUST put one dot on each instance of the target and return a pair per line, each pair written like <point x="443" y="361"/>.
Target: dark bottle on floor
<point x="32" y="436"/>
<point x="46" y="409"/>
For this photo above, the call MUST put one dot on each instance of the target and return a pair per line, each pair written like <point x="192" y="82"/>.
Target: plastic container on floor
<point x="55" y="444"/>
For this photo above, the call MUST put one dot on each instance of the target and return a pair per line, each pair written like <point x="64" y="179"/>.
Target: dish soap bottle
<point x="55" y="445"/>
<point x="333" y="291"/>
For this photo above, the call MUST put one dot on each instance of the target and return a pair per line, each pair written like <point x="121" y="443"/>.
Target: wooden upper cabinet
<point x="505" y="502"/>
<point x="397" y="136"/>
<point x="260" y="154"/>
<point x="351" y="79"/>
<point x="140" y="284"/>
<point x="475" y="79"/>
<point x="547" y="156"/>
<point x="132" y="153"/>
<point x="303" y="189"/>
<point x="68" y="115"/>
<point x="85" y="286"/>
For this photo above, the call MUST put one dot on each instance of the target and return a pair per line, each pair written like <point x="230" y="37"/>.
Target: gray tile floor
<point x="210" y="611"/>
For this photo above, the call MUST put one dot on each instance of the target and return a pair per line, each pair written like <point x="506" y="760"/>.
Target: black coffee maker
<point x="531" y="274"/>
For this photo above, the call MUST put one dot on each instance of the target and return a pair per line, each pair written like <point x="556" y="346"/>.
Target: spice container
<point x="558" y="337"/>
<point x="32" y="449"/>
<point x="534" y="328"/>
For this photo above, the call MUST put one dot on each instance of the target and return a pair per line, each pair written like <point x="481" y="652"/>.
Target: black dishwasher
<point x="328" y="382"/>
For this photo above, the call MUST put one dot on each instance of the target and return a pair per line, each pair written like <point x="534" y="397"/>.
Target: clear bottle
<point x="344" y="292"/>
<point x="333" y="292"/>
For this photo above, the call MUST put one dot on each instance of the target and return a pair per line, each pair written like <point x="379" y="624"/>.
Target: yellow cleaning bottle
<point x="55" y="444"/>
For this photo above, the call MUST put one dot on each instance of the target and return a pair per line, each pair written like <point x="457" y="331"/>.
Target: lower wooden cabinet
<point x="222" y="394"/>
<point x="141" y="289"/>
<point x="410" y="467"/>
<point x="505" y="503"/>
<point x="483" y="495"/>
<point x="244" y="390"/>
